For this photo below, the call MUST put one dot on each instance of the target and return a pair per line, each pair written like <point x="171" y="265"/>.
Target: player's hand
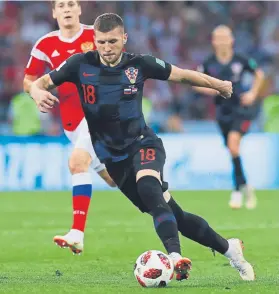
<point x="225" y="89"/>
<point x="248" y="98"/>
<point x="44" y="99"/>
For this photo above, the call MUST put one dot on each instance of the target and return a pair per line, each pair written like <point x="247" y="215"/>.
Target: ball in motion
<point x="154" y="268"/>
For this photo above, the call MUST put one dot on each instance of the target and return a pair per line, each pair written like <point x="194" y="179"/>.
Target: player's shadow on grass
<point x="219" y="284"/>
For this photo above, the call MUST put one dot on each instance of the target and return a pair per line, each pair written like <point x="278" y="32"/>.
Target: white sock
<point x="77" y="234"/>
<point x="231" y="251"/>
<point x="175" y="257"/>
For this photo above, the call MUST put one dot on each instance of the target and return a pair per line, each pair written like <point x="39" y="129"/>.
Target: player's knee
<point x="233" y="144"/>
<point x="234" y="149"/>
<point x="146" y="184"/>
<point x="79" y="161"/>
<point x="150" y="191"/>
<point x="167" y="196"/>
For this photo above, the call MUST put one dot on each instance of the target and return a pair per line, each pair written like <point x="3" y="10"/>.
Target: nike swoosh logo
<point x="88" y="75"/>
<point x="145" y="162"/>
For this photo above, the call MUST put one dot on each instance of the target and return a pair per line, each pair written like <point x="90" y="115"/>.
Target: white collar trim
<point x="75" y="37"/>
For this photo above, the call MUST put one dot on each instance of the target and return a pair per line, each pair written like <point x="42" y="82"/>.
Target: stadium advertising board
<point x="194" y="161"/>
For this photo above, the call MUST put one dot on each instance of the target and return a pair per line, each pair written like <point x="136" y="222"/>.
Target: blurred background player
<point x="234" y="115"/>
<point x="50" y="51"/>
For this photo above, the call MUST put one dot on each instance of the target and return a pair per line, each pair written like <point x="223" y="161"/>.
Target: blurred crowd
<point x="178" y="32"/>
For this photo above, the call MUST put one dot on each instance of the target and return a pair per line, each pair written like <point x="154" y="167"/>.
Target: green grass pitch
<point x="117" y="233"/>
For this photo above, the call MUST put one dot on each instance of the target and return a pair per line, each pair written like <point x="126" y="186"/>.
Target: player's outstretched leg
<point x="239" y="178"/>
<point x="198" y="230"/>
<point x="151" y="194"/>
<point x="82" y="189"/>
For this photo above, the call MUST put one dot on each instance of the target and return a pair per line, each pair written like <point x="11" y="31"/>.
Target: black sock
<point x="197" y="229"/>
<point x="150" y="191"/>
<point x="238" y="173"/>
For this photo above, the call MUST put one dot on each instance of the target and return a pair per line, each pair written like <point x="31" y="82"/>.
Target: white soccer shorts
<point x="80" y="138"/>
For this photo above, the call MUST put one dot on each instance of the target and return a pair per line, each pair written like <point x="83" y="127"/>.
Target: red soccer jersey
<point x="50" y="51"/>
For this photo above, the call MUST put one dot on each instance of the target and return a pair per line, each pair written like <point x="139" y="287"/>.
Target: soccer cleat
<point x="182" y="266"/>
<point x="70" y="240"/>
<point x="251" y="199"/>
<point x="237" y="260"/>
<point x="236" y="200"/>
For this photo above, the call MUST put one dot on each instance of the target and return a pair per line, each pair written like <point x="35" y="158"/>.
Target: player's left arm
<point x="198" y="79"/>
<point x="205" y="91"/>
<point x="250" y="96"/>
<point x="158" y="69"/>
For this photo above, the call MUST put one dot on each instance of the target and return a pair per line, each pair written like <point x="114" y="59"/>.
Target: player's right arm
<point x="39" y="92"/>
<point x="65" y="72"/>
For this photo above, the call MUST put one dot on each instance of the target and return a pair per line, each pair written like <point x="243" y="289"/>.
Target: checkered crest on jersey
<point x="132" y="74"/>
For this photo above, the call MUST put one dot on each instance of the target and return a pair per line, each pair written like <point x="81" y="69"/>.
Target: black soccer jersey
<point x="111" y="98"/>
<point x="232" y="71"/>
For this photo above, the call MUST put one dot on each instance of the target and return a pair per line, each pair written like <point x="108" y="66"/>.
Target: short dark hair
<point x="107" y="22"/>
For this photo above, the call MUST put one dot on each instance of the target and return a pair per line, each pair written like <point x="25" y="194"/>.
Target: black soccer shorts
<point x="124" y="172"/>
<point x="237" y="124"/>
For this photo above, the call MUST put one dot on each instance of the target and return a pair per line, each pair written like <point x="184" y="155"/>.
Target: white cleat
<point x="237" y="260"/>
<point x="251" y="199"/>
<point x="72" y="240"/>
<point x="236" y="200"/>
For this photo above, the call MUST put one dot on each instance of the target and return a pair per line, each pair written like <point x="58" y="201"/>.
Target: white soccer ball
<point x="154" y="268"/>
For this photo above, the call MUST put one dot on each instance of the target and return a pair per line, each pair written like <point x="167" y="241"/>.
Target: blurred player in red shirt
<point x="49" y="52"/>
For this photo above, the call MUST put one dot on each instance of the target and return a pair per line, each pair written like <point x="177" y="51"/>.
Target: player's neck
<point x="111" y="64"/>
<point x="69" y="33"/>
<point x="224" y="56"/>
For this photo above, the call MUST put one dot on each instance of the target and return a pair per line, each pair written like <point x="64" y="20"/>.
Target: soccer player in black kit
<point x="233" y="115"/>
<point x="110" y="84"/>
